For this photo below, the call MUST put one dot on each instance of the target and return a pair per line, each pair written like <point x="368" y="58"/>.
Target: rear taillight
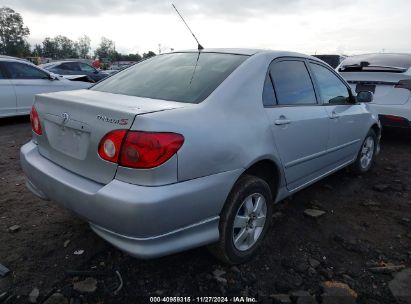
<point x="110" y="145"/>
<point x="137" y="149"/>
<point x="404" y="84"/>
<point x="35" y="121"/>
<point x="396" y="118"/>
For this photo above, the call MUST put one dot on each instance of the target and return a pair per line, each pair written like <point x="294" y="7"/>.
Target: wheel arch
<point x="376" y="128"/>
<point x="268" y="170"/>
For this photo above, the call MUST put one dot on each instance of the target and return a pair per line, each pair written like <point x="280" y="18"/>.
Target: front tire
<point x="366" y="155"/>
<point x="244" y="220"/>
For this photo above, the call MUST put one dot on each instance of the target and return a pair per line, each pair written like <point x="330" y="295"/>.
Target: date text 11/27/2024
<point x="203" y="299"/>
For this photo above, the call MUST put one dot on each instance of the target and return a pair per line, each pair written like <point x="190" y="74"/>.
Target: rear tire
<point x="244" y="220"/>
<point x="366" y="155"/>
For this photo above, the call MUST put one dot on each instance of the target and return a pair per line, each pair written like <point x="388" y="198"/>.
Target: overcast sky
<point x="308" y="26"/>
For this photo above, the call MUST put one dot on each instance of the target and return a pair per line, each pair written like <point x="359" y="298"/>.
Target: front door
<point x="299" y="124"/>
<point x="347" y="119"/>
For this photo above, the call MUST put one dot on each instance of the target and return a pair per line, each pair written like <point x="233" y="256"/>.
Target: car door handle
<point x="282" y="121"/>
<point x="334" y="115"/>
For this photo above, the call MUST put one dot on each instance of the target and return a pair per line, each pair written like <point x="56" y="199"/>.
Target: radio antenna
<point x="199" y="46"/>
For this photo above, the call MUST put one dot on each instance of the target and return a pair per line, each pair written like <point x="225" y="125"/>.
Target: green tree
<point x="59" y="47"/>
<point x="37" y="50"/>
<point x="83" y="46"/>
<point x="106" y="50"/>
<point x="50" y="48"/>
<point x="13" y="33"/>
<point x="149" y="54"/>
<point x="66" y="47"/>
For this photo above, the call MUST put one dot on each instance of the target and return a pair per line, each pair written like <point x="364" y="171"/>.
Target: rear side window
<point x="292" y="83"/>
<point x="332" y="89"/>
<point x="182" y="77"/>
<point x="24" y="71"/>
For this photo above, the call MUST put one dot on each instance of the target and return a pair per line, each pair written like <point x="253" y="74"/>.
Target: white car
<point x="20" y="80"/>
<point x="388" y="76"/>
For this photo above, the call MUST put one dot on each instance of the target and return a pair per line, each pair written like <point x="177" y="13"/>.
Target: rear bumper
<point x="143" y="221"/>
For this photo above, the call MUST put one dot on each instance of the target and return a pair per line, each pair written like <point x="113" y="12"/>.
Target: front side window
<point x="18" y="70"/>
<point x="182" y="77"/>
<point x="292" y="83"/>
<point x="86" y="68"/>
<point x="332" y="89"/>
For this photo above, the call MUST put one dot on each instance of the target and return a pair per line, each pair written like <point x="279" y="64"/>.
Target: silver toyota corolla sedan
<point x="194" y="148"/>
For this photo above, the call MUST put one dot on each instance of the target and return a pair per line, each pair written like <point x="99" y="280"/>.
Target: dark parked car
<point x="74" y="68"/>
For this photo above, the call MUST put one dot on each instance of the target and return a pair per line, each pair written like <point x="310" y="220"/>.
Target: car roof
<point x="65" y="61"/>
<point x="11" y="58"/>
<point x="21" y="60"/>
<point x="250" y="52"/>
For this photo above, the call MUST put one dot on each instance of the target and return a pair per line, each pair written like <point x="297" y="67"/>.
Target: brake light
<point x="146" y="150"/>
<point x="396" y="118"/>
<point x="35" y="121"/>
<point x="140" y="150"/>
<point x="110" y="145"/>
<point x="404" y="84"/>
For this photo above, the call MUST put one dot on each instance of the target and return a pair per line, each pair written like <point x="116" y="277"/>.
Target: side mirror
<point x="365" y="96"/>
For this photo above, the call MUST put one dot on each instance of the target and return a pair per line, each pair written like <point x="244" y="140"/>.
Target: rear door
<point x="347" y="119"/>
<point x="299" y="124"/>
<point x="8" y="102"/>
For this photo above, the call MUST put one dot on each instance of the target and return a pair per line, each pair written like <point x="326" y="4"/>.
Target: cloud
<point x="227" y="8"/>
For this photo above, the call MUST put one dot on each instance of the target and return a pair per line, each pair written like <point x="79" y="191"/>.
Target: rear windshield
<point x="182" y="77"/>
<point x="377" y="62"/>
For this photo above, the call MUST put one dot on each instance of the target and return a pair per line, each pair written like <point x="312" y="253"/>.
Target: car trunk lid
<point x="74" y="123"/>
<point x="382" y="84"/>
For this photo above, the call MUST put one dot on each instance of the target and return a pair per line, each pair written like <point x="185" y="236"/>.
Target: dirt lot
<point x="367" y="224"/>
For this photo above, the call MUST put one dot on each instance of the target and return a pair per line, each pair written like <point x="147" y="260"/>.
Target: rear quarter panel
<point x="227" y="131"/>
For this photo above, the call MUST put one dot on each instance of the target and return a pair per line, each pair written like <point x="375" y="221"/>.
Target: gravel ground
<point x="356" y="248"/>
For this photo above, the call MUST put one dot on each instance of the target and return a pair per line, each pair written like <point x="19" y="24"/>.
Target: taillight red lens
<point x="404" y="84"/>
<point x="110" y="145"/>
<point x="137" y="149"/>
<point x="35" y="121"/>
<point x="391" y="117"/>
<point x="146" y="150"/>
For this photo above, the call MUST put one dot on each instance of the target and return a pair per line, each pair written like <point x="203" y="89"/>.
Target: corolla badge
<point x="117" y="121"/>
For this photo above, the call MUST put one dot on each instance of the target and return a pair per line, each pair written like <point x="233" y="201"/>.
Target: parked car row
<point x="194" y="148"/>
<point x="74" y="68"/>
